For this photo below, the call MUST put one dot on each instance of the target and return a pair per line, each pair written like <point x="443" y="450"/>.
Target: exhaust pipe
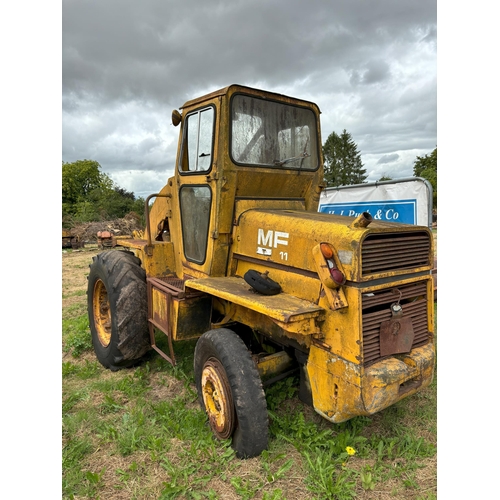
<point x="363" y="220"/>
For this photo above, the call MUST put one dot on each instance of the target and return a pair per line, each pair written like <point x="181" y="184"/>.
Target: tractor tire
<point x="262" y="283"/>
<point x="230" y="391"/>
<point x="117" y="309"/>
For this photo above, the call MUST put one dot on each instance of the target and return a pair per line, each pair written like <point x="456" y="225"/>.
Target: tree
<point x="90" y="195"/>
<point x="343" y="164"/>
<point x="118" y="203"/>
<point x="80" y="178"/>
<point x="426" y="167"/>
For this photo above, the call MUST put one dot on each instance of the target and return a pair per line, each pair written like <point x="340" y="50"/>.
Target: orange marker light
<point x="326" y="250"/>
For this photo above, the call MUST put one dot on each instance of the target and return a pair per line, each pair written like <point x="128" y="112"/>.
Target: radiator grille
<point x="376" y="309"/>
<point x="395" y="251"/>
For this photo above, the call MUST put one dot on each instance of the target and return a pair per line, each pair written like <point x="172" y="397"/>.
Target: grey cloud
<point x="388" y="159"/>
<point x="370" y="66"/>
<point x="431" y="35"/>
<point x="375" y="71"/>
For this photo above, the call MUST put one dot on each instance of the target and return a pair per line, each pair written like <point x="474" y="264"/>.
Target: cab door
<point x="196" y="196"/>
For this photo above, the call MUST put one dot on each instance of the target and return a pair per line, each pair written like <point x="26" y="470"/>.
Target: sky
<point x="370" y="66"/>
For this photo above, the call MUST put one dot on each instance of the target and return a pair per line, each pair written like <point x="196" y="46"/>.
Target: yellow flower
<point x="350" y="450"/>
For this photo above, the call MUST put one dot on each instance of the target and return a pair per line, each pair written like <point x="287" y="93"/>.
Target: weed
<point x="427" y="496"/>
<point x="94" y="480"/>
<point x="367" y="481"/>
<point x="281" y="391"/>
<point x="76" y="335"/>
<point x="246" y="488"/>
<point x="183" y="480"/>
<point x="275" y="495"/>
<point x="133" y="386"/>
<point x="268" y="462"/>
<point x="407" y="445"/>
<point x="69" y="369"/>
<point x="180" y="422"/>
<point x="413" y="447"/>
<point x="131" y="432"/>
<point x="106" y="431"/>
<point x="110" y="405"/>
<point x="70" y="401"/>
<point x="74" y="451"/>
<point x="307" y="436"/>
<point x="295" y="429"/>
<point x="88" y="370"/>
<point x="327" y="480"/>
<point x="156" y="444"/>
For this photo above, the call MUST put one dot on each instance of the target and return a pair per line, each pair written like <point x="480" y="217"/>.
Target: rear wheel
<point x="117" y="309"/>
<point x="230" y="391"/>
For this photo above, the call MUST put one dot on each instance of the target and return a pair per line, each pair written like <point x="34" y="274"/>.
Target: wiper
<point x="280" y="163"/>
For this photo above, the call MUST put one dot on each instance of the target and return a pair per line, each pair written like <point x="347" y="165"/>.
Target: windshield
<point x="269" y="133"/>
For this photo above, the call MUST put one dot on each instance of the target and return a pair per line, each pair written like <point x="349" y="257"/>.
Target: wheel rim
<point x="217" y="398"/>
<point x="102" y="313"/>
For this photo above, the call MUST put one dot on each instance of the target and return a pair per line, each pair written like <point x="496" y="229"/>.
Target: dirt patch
<point x="135" y="476"/>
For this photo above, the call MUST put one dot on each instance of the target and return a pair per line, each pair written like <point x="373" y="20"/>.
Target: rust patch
<point x="396" y="336"/>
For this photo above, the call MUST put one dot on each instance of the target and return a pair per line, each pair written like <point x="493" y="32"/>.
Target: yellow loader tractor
<point x="236" y="255"/>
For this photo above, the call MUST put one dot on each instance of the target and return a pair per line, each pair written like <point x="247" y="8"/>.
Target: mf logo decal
<point x="267" y="241"/>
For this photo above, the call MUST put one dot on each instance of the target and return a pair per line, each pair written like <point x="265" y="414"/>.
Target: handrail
<point x="149" y="246"/>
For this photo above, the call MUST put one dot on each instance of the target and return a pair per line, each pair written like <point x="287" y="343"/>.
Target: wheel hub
<point x="102" y="313"/>
<point x="217" y="398"/>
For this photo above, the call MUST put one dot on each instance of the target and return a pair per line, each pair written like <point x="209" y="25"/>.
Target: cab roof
<point x="236" y="87"/>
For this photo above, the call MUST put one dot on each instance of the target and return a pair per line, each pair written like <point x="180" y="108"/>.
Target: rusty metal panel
<point x="396" y="336"/>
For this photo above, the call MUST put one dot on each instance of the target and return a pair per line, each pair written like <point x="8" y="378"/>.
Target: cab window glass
<point x="273" y="134"/>
<point x="195" y="215"/>
<point x="198" y="141"/>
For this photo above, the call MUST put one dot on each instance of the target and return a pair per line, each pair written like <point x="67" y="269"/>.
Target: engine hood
<point x="287" y="237"/>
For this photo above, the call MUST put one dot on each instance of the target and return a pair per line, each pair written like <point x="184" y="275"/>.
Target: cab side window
<point x="197" y="143"/>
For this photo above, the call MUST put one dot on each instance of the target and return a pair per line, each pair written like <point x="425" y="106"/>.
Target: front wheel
<point x="117" y="309"/>
<point x="230" y="391"/>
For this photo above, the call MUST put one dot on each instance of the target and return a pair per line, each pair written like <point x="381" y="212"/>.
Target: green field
<point x="139" y="433"/>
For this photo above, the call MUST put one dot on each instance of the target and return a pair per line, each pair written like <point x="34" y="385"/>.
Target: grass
<point x="140" y="434"/>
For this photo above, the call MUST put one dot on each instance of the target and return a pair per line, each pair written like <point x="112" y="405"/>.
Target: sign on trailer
<point x="407" y="201"/>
